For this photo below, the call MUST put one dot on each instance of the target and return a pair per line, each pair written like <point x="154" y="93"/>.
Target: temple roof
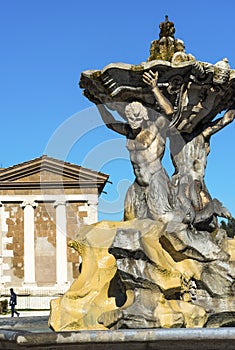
<point x="34" y="174"/>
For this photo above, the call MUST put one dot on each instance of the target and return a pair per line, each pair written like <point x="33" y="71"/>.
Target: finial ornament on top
<point x="167" y="28"/>
<point x="167" y="45"/>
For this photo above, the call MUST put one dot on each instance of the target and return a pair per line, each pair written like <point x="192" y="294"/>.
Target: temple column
<point x="61" y="243"/>
<point x="92" y="211"/>
<point x="29" y="243"/>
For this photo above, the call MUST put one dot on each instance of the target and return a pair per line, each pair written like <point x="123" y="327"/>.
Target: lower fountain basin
<point x="33" y="333"/>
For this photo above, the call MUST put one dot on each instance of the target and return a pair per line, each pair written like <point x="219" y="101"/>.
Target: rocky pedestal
<point x="164" y="275"/>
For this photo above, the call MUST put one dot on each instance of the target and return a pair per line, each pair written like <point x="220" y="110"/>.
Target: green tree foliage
<point x="3" y="306"/>
<point x="229" y="227"/>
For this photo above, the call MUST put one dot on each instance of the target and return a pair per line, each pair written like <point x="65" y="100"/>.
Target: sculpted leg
<point x="159" y="199"/>
<point x="135" y="202"/>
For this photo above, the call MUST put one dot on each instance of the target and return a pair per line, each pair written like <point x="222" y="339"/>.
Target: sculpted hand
<point x="151" y="78"/>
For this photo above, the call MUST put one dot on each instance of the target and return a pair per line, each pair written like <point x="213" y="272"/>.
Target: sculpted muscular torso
<point x="148" y="195"/>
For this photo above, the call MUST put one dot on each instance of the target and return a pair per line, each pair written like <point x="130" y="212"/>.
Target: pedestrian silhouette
<point x="13" y="303"/>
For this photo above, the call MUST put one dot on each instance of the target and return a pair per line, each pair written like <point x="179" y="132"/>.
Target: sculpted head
<point x="136" y="113"/>
<point x="221" y="72"/>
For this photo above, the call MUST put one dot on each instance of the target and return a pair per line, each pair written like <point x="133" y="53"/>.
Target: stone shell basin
<point x="120" y="83"/>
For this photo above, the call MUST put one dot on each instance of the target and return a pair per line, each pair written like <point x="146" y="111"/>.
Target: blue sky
<point x="46" y="44"/>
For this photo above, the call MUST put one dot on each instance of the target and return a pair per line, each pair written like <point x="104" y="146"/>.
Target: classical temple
<point x="43" y="203"/>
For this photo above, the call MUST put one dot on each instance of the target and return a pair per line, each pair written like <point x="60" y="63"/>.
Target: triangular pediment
<point x="45" y="176"/>
<point x="46" y="170"/>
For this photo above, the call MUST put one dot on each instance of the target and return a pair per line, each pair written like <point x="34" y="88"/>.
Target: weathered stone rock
<point x="221" y="319"/>
<point x="198" y="245"/>
<point x="153" y="288"/>
<point x="87" y="297"/>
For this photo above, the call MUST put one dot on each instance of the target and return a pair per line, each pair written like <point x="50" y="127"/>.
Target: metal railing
<point x="33" y="299"/>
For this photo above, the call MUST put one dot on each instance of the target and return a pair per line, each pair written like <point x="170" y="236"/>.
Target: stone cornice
<point x="82" y="197"/>
<point x="52" y="184"/>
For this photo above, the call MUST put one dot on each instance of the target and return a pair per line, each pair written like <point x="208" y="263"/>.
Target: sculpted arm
<point x="220" y="123"/>
<point x="111" y="122"/>
<point x="151" y="78"/>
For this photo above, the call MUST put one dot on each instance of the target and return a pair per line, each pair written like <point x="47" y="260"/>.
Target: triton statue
<point x="168" y="263"/>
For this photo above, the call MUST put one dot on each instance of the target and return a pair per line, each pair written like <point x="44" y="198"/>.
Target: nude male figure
<point x="189" y="154"/>
<point x="149" y="195"/>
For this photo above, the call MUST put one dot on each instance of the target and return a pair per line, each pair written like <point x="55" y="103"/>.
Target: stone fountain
<point x="168" y="264"/>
